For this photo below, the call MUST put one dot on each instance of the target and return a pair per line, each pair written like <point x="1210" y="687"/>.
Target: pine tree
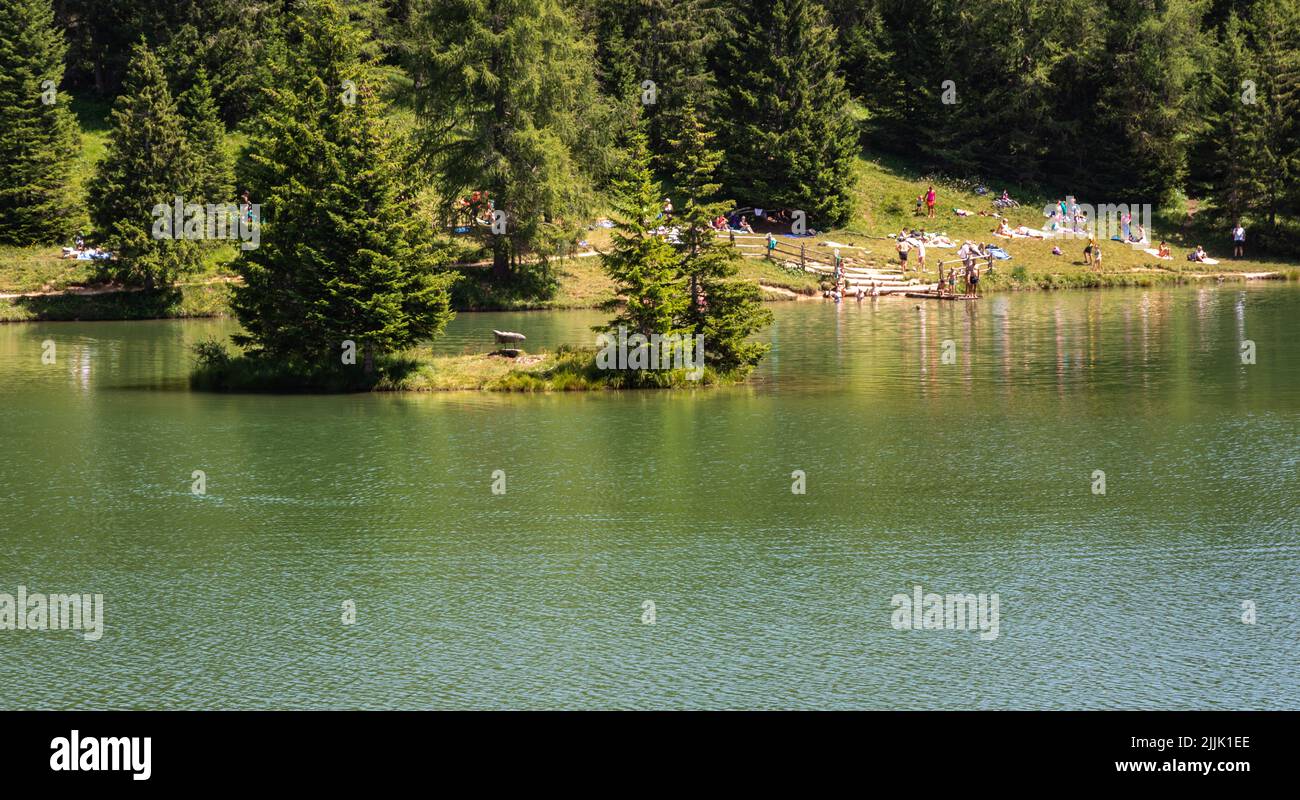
<point x="343" y="256"/>
<point x="148" y="164"/>
<point x="664" y="42"/>
<point x="508" y="93"/>
<point x="1228" y="159"/>
<point x="1141" y="122"/>
<point x="722" y="308"/>
<point x="214" y="181"/>
<point x="38" y="134"/>
<point x="1275" y="31"/>
<point x="785" y="115"/>
<point x="643" y="265"/>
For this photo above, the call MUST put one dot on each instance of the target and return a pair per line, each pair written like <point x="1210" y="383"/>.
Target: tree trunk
<point x="500" y="258"/>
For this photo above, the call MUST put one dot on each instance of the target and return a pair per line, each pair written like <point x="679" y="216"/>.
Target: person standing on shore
<point x="1238" y="241"/>
<point x="930" y="199"/>
<point x="903" y="247"/>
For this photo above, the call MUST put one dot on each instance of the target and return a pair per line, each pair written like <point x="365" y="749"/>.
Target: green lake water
<point x="975" y="476"/>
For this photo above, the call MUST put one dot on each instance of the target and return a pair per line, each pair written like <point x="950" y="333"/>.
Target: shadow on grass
<point x="156" y="304"/>
<point x="479" y="290"/>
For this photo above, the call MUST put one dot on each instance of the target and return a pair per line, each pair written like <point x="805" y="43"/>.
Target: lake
<point x="959" y="447"/>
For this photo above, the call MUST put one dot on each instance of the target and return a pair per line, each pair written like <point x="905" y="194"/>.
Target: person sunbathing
<point x="1003" y="229"/>
<point x="744" y="224"/>
<point x="1199" y="255"/>
<point x="1164" y="251"/>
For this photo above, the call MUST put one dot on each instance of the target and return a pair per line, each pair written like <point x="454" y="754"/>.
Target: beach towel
<point x="998" y="253"/>
<point x="1210" y="261"/>
<point x="1028" y="233"/>
<point x="1156" y="253"/>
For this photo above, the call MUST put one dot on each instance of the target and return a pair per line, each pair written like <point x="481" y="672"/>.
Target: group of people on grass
<point x="739" y="222"/>
<point x="80" y="251"/>
<point x="969" y="254"/>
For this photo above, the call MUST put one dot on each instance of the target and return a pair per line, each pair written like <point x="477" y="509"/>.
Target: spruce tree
<point x="1228" y="160"/>
<point x="785" y="115"/>
<point x="723" y="308"/>
<point x="1275" y="31"/>
<point x="508" y="94"/>
<point x="665" y="42"/>
<point x="343" y="254"/>
<point x="1141" y="122"/>
<point x="38" y="135"/>
<point x="643" y="265"/>
<point x="214" y="179"/>
<point x="149" y="163"/>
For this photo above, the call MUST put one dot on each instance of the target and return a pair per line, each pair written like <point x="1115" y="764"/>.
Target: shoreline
<point x="207" y="300"/>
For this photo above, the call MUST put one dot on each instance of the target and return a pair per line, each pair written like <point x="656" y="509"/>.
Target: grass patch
<point x="205" y="300"/>
<point x="418" y="370"/>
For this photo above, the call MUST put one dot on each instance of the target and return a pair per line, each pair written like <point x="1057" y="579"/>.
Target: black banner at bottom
<point x="339" y="750"/>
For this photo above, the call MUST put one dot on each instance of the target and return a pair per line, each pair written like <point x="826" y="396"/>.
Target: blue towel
<point x="999" y="253"/>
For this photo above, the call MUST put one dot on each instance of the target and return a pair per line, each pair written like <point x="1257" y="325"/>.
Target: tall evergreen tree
<point x="784" y="114"/>
<point x="643" y="265"/>
<point x="666" y="43"/>
<point x="38" y="134"/>
<point x="343" y="255"/>
<point x="214" y="181"/>
<point x="148" y="163"/>
<point x="1228" y="160"/>
<point x="508" y="93"/>
<point x="724" y="309"/>
<point x="1142" y="123"/>
<point x="1275" y="31"/>
<point x="236" y="40"/>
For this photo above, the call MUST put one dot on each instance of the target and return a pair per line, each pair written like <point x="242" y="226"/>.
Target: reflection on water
<point x="970" y="476"/>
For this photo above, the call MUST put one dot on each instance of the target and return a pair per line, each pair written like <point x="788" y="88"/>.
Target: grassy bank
<point x="201" y="300"/>
<point x="419" y="370"/>
<point x="886" y="190"/>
